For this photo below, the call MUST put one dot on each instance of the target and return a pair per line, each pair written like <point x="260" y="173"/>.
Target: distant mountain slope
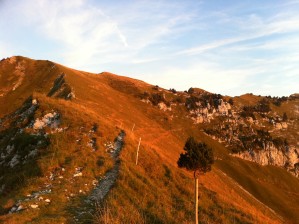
<point x="59" y="128"/>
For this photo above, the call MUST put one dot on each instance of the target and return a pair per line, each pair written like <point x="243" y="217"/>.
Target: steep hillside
<point x="68" y="143"/>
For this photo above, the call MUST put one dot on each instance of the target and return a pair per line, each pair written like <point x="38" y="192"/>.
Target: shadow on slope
<point x="19" y="150"/>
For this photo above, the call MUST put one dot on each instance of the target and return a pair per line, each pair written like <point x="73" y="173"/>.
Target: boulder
<point x="78" y="174"/>
<point x="250" y="120"/>
<point x="20" y="207"/>
<point x="34" y="102"/>
<point x="284" y="125"/>
<point x="163" y="106"/>
<point x="34" y="206"/>
<point x="278" y="126"/>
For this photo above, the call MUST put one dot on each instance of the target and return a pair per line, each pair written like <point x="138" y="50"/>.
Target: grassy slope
<point x="64" y="152"/>
<point x="38" y="76"/>
<point x="156" y="191"/>
<point x="166" y="138"/>
<point x="158" y="134"/>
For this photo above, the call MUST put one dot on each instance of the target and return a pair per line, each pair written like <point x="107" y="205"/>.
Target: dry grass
<point x="158" y="192"/>
<point x="155" y="191"/>
<point x="64" y="152"/>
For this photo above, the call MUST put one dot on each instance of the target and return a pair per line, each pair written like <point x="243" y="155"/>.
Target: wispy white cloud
<point x="87" y="31"/>
<point x="209" y="46"/>
<point x="142" y="61"/>
<point x="219" y="47"/>
<point x="287" y="43"/>
<point x="250" y="29"/>
<point x="83" y="30"/>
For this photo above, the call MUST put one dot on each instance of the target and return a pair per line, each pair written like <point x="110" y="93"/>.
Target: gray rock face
<point x="205" y="114"/>
<point x="14" y="161"/>
<point x="51" y="120"/>
<point x="224" y="107"/>
<point x="163" y="106"/>
<point x="273" y="156"/>
<point x="61" y="89"/>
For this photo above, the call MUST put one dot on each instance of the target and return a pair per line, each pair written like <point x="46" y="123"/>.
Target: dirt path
<point x="103" y="187"/>
<point x="108" y="181"/>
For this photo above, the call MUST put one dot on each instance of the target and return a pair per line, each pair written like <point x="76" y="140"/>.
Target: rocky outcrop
<point x="50" y="119"/>
<point x="289" y="158"/>
<point x="223" y="107"/>
<point x="198" y="120"/>
<point x="61" y="89"/>
<point x="163" y="106"/>
<point x="280" y="125"/>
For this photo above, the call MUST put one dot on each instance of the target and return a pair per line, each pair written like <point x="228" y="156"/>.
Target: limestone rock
<point x="284" y="125"/>
<point x="198" y="120"/>
<point x="250" y="120"/>
<point x="78" y="174"/>
<point x="272" y="156"/>
<point x="34" y="102"/>
<point x="34" y="206"/>
<point x="163" y="106"/>
<point x="50" y="120"/>
<point x="278" y="126"/>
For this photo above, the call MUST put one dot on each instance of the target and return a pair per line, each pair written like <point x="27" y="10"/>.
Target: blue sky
<point x="224" y="46"/>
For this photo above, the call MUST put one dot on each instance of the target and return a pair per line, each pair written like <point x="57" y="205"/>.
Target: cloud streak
<point x="277" y="26"/>
<point x="218" y="47"/>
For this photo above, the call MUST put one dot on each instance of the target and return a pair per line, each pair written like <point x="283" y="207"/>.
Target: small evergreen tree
<point x="284" y="117"/>
<point x="191" y="90"/>
<point x="198" y="157"/>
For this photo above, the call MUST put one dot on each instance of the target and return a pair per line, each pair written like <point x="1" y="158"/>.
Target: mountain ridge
<point x="163" y="119"/>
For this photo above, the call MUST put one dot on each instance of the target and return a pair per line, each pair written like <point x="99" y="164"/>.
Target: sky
<point x="230" y="47"/>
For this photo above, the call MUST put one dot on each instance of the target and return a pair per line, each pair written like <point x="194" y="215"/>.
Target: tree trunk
<point x="196" y="198"/>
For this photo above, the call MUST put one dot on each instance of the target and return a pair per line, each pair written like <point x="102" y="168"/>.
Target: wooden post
<point x="138" y="151"/>
<point x="196" y="198"/>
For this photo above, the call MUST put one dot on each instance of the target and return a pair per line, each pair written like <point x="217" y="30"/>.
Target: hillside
<point x="68" y="143"/>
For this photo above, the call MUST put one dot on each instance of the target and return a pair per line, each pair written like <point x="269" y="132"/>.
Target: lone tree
<point x="198" y="157"/>
<point x="284" y="116"/>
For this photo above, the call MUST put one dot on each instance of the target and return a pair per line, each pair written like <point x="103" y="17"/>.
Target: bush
<point x="178" y="100"/>
<point x="144" y="95"/>
<point x="100" y="161"/>
<point x="156" y="98"/>
<point x="156" y="87"/>
<point x="173" y="90"/>
<point x="263" y="106"/>
<point x="191" y="90"/>
<point x="191" y="102"/>
<point x="284" y="117"/>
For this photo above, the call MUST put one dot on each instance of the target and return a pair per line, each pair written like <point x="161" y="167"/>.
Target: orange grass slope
<point x="235" y="191"/>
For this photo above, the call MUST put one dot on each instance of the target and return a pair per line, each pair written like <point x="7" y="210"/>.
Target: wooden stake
<point x="196" y="175"/>
<point x="196" y="200"/>
<point x="138" y="151"/>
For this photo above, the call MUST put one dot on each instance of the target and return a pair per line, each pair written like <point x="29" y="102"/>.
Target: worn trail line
<point x="105" y="184"/>
<point x="103" y="187"/>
